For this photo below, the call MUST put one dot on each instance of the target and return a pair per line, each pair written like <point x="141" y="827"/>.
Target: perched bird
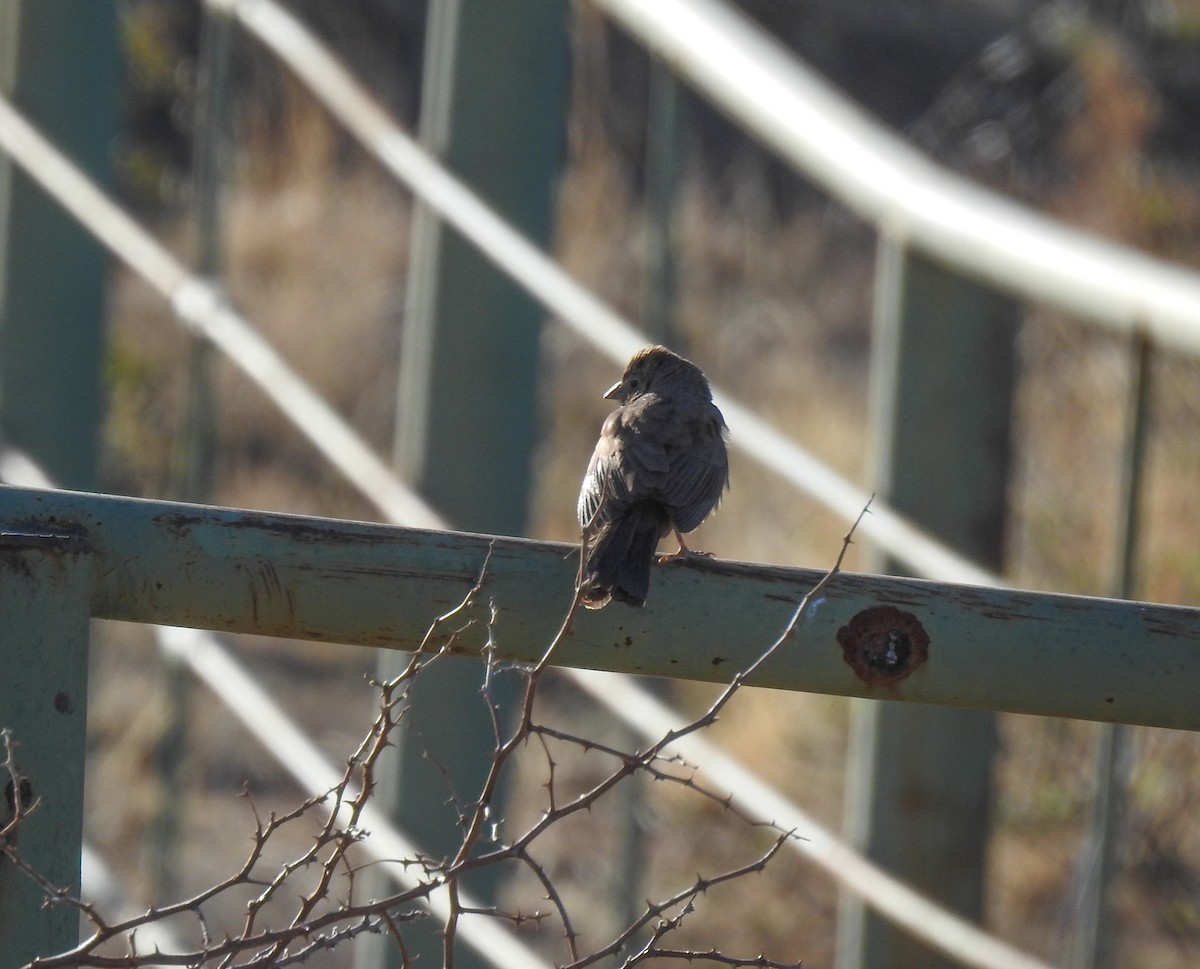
<point x="659" y="466"/>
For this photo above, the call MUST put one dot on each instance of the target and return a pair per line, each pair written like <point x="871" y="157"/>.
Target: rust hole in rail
<point x="883" y="645"/>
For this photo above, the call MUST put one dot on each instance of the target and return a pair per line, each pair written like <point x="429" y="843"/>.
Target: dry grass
<point x="776" y="312"/>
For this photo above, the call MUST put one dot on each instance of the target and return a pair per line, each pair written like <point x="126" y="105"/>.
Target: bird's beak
<point x="614" y="392"/>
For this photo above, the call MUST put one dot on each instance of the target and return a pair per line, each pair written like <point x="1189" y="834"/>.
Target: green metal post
<point x="492" y="111"/>
<point x="920" y="782"/>
<point x="10" y="20"/>
<point x="664" y="110"/>
<point x="195" y="457"/>
<point x="194" y="470"/>
<point x="663" y="135"/>
<point x="1093" y="944"/>
<point x="61" y="71"/>
<point x="45" y="600"/>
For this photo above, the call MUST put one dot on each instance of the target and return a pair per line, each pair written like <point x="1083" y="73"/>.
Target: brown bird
<point x="660" y="465"/>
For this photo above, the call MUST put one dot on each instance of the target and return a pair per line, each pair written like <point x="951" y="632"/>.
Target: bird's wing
<point x="629" y="463"/>
<point x="699" y="472"/>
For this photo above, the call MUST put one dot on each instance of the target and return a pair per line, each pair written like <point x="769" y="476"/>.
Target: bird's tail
<point x="619" y="557"/>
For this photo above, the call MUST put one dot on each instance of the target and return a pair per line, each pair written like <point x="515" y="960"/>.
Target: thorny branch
<point x="318" y="883"/>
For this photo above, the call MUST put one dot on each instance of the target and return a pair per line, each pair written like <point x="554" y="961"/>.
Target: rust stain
<point x="883" y="645"/>
<point x="252" y="589"/>
<point x="269" y="597"/>
<point x="178" y="524"/>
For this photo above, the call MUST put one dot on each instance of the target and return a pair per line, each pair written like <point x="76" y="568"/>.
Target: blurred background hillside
<point x="1088" y="111"/>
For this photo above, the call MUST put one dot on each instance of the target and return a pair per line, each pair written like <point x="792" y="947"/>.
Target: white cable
<point x="16" y="467"/>
<point x="276" y="731"/>
<point x="917" y="914"/>
<point x="833" y="142"/>
<point x="574" y="305"/>
<point x="202" y="307"/>
<point x="280" y="735"/>
<point x="100" y="886"/>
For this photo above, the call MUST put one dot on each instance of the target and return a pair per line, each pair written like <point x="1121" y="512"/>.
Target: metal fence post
<point x="45" y="598"/>
<point x="664" y="135"/>
<point x="62" y="72"/>
<point x="492" y="110"/>
<point x="920" y="785"/>
<point x="194" y="461"/>
<point x="1093" y="945"/>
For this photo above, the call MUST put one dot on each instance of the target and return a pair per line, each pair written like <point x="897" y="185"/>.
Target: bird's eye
<point x="633" y="383"/>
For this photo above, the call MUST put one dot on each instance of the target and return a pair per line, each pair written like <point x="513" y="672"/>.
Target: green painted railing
<point x="378" y="585"/>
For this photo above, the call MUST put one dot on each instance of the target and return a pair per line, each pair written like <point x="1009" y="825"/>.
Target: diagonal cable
<point x="572" y="303"/>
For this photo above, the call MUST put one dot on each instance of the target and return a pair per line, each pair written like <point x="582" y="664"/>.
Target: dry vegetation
<point x="776" y="310"/>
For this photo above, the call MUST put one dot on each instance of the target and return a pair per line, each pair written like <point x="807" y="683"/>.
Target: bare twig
<point x="684" y="899"/>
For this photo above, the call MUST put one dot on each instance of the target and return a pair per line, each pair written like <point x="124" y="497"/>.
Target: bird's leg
<point x="684" y="552"/>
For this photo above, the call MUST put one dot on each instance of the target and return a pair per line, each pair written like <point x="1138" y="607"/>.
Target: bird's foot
<point x="683" y="554"/>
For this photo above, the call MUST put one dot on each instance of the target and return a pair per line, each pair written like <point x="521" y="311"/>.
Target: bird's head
<point x="656" y="369"/>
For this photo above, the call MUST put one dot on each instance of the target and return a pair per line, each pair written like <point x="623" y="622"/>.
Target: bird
<point x="659" y="466"/>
